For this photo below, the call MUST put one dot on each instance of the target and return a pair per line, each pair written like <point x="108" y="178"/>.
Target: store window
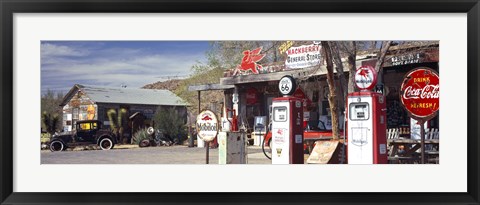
<point x="75" y="112"/>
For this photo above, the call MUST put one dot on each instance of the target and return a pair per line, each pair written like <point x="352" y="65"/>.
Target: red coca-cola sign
<point x="252" y="96"/>
<point x="420" y="93"/>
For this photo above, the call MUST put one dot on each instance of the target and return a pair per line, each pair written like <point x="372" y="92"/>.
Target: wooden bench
<point x="412" y="146"/>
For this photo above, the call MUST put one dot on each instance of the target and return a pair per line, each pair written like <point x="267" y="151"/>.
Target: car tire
<point x="105" y="143"/>
<point x="144" y="143"/>
<point x="57" y="146"/>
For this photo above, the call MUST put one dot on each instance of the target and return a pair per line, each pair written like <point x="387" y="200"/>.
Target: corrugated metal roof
<point x="102" y="94"/>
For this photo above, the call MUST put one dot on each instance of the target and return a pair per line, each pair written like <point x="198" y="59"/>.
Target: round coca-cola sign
<point x="420" y="93"/>
<point x="365" y="77"/>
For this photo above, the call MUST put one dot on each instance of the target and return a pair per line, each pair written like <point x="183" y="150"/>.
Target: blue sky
<point x="113" y="63"/>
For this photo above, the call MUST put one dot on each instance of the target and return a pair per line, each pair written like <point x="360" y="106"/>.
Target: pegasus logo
<point x="250" y="59"/>
<point x="207" y="118"/>
<point x="364" y="73"/>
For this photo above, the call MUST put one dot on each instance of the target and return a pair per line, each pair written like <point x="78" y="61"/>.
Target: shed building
<point x="117" y="106"/>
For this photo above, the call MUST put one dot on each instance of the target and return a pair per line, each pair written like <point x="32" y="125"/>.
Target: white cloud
<point x="52" y="50"/>
<point x="134" y="70"/>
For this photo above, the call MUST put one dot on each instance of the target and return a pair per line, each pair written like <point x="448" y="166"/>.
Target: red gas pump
<point x="367" y="137"/>
<point x="367" y="123"/>
<point x="234" y="122"/>
<point x="287" y="125"/>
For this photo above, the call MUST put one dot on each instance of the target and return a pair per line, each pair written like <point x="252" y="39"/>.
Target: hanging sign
<point x="235" y="98"/>
<point x="365" y="78"/>
<point x="207" y="125"/>
<point x="284" y="46"/>
<point x="287" y="85"/>
<point x="303" y="56"/>
<point x="300" y="94"/>
<point x="420" y="93"/>
<point x="379" y="88"/>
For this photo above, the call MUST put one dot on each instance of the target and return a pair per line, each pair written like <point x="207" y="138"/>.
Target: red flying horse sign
<point x="250" y="59"/>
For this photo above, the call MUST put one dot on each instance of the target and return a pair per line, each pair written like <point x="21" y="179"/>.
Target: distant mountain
<point x="211" y="99"/>
<point x="171" y="85"/>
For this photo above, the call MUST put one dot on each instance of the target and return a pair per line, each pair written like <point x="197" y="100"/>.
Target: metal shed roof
<point x="100" y="94"/>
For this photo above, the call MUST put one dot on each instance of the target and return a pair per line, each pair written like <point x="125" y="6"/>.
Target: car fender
<point x="65" y="139"/>
<point x="103" y="133"/>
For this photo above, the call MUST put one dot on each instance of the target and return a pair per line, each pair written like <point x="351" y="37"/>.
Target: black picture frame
<point x="10" y="7"/>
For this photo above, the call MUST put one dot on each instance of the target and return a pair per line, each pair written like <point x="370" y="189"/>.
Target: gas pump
<point x="366" y="127"/>
<point x="287" y="125"/>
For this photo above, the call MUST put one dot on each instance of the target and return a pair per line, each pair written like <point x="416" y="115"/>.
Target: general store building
<point x="256" y="91"/>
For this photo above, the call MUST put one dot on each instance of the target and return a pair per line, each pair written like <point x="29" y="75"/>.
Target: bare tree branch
<point x="337" y="59"/>
<point x="332" y="92"/>
<point x="352" y="67"/>
<point x="381" y="55"/>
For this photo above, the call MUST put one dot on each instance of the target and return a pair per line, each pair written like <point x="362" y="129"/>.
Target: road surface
<point x="149" y="155"/>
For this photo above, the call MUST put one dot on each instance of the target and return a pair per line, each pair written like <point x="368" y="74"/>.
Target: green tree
<point x="50" y="122"/>
<point x="202" y="77"/>
<point x="170" y="123"/>
<point x="51" y="111"/>
<point x="139" y="136"/>
<point x="118" y="122"/>
<point x="222" y="56"/>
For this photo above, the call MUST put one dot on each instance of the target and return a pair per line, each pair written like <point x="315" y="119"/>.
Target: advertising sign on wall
<point x="284" y="46"/>
<point x="303" y="56"/>
<point x="300" y="94"/>
<point x="420" y="93"/>
<point x="251" y="96"/>
<point x="250" y="59"/>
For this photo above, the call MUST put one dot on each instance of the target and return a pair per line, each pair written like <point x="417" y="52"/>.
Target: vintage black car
<point x="87" y="132"/>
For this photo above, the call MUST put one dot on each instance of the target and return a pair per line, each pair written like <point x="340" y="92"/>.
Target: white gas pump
<point x="287" y="125"/>
<point x="366" y="127"/>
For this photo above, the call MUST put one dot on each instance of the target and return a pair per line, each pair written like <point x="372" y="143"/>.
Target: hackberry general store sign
<point x="420" y="93"/>
<point x="207" y="125"/>
<point x="303" y="56"/>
